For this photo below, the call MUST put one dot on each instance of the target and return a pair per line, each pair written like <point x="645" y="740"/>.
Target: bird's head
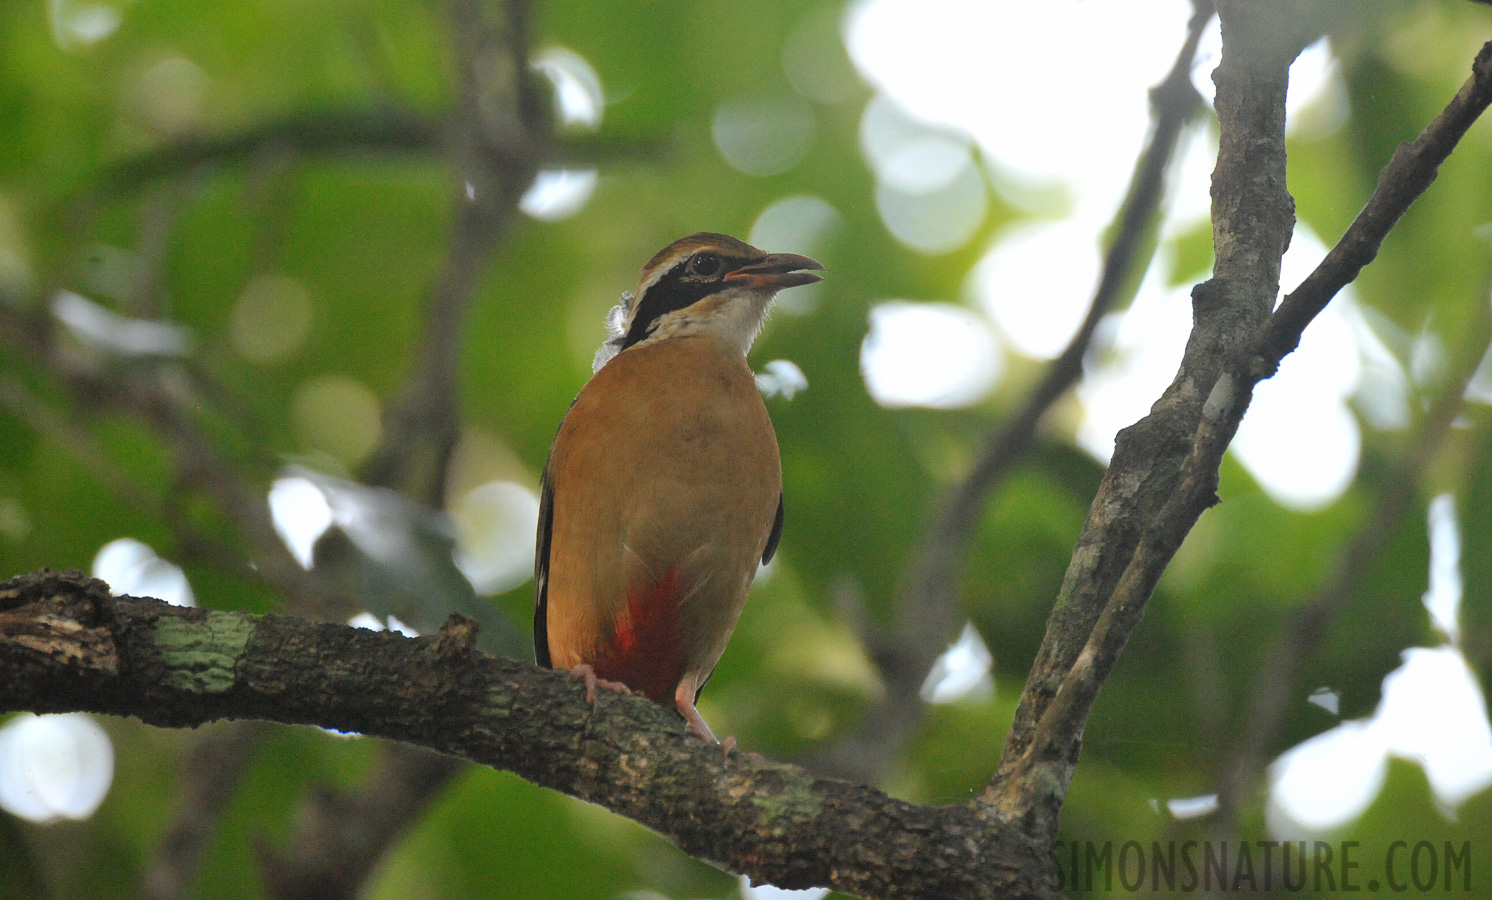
<point x="705" y="283"/>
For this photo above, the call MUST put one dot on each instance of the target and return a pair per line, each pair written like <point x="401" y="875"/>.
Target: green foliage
<point x="367" y="234"/>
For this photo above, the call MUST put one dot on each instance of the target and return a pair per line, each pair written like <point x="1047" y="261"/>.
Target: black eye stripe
<point x="676" y="290"/>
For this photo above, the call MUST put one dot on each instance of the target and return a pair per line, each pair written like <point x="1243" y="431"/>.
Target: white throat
<point x="735" y="315"/>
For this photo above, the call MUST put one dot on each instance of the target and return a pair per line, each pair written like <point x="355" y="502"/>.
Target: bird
<point x="663" y="489"/>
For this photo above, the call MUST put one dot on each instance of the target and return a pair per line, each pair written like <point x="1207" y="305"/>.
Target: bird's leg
<point x="683" y="698"/>
<point x="584" y="672"/>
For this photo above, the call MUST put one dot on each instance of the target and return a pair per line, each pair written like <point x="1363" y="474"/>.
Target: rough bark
<point x="1144" y="493"/>
<point x="67" y="644"/>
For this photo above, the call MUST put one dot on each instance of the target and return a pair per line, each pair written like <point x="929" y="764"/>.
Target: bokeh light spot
<point x="104" y="329"/>
<point x="1145" y="345"/>
<point x="1432" y="712"/>
<point x="338" y="415"/>
<point x="17" y="279"/>
<point x="781" y="378"/>
<point x="801" y="223"/>
<point x="131" y="567"/>
<point x="271" y="320"/>
<point x="962" y="671"/>
<point x="751" y="891"/>
<point x="1443" y="598"/>
<point x="1300" y="439"/>
<point x="15" y="523"/>
<point x="938" y="59"/>
<point x="764" y="136"/>
<point x="558" y="193"/>
<point x="798" y="224"/>
<point x="171" y="96"/>
<point x="928" y="354"/>
<point x="301" y="515"/>
<point x="578" y="95"/>
<point x="1301" y="447"/>
<point x="496" y="525"/>
<point x="1037" y="282"/>
<point x="1326" y="781"/>
<point x="814" y="59"/>
<point x="929" y="193"/>
<point x="78" y="23"/>
<point x="1192" y="807"/>
<point x="938" y="221"/>
<point x="54" y="767"/>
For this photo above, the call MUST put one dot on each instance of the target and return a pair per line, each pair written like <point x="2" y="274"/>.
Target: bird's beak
<point x="776" y="271"/>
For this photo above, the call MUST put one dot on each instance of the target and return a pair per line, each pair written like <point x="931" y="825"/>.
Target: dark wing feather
<point x="541" y="570"/>
<point x="775" y="536"/>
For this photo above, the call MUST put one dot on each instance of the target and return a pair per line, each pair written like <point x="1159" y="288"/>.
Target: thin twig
<point x="319" y="133"/>
<point x="927" y="604"/>
<point x="1303" y="631"/>
<point x="210" y="775"/>
<point x="348" y="833"/>
<point x="1409" y="174"/>
<point x="1252" y="222"/>
<point x="370" y="132"/>
<point x="502" y="132"/>
<point x="158" y="394"/>
<point x="1052" y="745"/>
<point x="47" y="422"/>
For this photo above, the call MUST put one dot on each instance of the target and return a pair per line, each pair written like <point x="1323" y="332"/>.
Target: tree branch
<point x="1300" y="633"/>
<point x="1409" y="174"/>
<point x="67" y="645"/>
<point x="927" y="607"/>
<point x="343" y="133"/>
<point x="1248" y="222"/>
<point x="343" y="835"/>
<point x="500" y="135"/>
<point x="209" y="777"/>
<point x="1155" y="488"/>
<point x="316" y="133"/>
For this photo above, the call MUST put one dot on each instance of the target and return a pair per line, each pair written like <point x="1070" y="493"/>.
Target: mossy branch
<point x="68" y="645"/>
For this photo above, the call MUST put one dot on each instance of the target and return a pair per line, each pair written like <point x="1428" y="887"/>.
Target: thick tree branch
<point x="66" y="644"/>
<point x="927" y="606"/>
<point x="1149" y="496"/>
<point x="1248" y="224"/>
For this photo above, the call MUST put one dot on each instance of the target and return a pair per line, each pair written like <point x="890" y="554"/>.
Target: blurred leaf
<point x="366" y="235"/>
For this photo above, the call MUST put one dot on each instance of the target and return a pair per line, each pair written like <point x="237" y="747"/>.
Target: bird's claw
<point x="592" y="681"/>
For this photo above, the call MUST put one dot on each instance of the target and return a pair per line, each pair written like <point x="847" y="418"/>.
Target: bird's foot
<point x="727" y="746"/>
<point x="592" y="681"/>
<point x="683" y="700"/>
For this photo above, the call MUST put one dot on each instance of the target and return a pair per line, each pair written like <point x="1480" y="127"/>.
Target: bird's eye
<point x="705" y="265"/>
